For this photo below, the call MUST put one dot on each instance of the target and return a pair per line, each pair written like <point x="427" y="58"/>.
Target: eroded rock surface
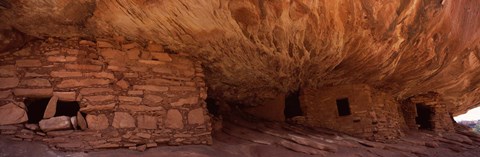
<point x="252" y="50"/>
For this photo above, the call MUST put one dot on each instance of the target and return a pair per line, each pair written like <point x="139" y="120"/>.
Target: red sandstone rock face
<point x="252" y="50"/>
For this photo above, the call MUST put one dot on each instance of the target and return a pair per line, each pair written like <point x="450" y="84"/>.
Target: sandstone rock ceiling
<point x="253" y="49"/>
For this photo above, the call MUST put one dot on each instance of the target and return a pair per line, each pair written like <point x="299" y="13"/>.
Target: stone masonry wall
<point x="374" y="115"/>
<point x="134" y="95"/>
<point x="440" y="118"/>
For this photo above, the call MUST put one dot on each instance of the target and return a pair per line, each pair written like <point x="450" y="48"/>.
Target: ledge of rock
<point x="253" y="50"/>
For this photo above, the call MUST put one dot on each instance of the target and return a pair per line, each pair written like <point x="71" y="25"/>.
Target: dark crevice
<point x="292" y="105"/>
<point x="424" y="116"/>
<point x="212" y="107"/>
<point x="36" y="108"/>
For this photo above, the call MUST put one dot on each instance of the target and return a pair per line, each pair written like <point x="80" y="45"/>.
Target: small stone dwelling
<point x="109" y="93"/>
<point x="426" y="111"/>
<point x="362" y="111"/>
<point x="357" y="110"/>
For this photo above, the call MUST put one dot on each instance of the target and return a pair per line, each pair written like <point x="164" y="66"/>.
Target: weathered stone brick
<point x="139" y="69"/>
<point x="130" y="99"/>
<point x="141" y="108"/>
<point x="104" y="44"/>
<point x="64" y="74"/>
<point x="130" y="46"/>
<point x="146" y="122"/>
<point x="97" y="122"/>
<point x="65" y="96"/>
<point x="83" y="67"/>
<point x="178" y="78"/>
<point x="182" y="88"/>
<point x="133" y="53"/>
<point x="100" y="75"/>
<point x="123" y="120"/>
<point x="43" y="92"/>
<point x="113" y="54"/>
<point x="51" y="108"/>
<point x="82" y="83"/>
<point x="196" y="116"/>
<point x="37" y="82"/>
<point x="145" y="55"/>
<point x="33" y="74"/>
<point x="135" y="92"/>
<point x="154" y="47"/>
<point x="8" y="83"/>
<point x="130" y="75"/>
<point x="91" y="108"/>
<point x="159" y="81"/>
<point x="174" y="119"/>
<point x="182" y="101"/>
<point x="187" y="72"/>
<point x="123" y="84"/>
<point x="87" y="43"/>
<point x="51" y="53"/>
<point x="61" y="59"/>
<point x="12" y="114"/>
<point x="116" y="68"/>
<point x="98" y="98"/>
<point x="72" y="51"/>
<point x="7" y="70"/>
<point x="28" y="63"/>
<point x="162" y="70"/>
<point x="5" y="94"/>
<point x="161" y="56"/>
<point x="143" y="135"/>
<point x="199" y="74"/>
<point x="152" y="100"/>
<point x="89" y="91"/>
<point x="82" y="123"/>
<point x="151" y="62"/>
<point x="150" y="88"/>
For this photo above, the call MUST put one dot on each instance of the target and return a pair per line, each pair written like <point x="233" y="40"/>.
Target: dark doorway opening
<point x="292" y="105"/>
<point x="424" y="116"/>
<point x="343" y="107"/>
<point x="212" y="106"/>
<point x="36" y="108"/>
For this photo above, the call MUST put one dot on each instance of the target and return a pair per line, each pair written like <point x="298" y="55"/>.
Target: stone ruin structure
<point x="364" y="68"/>
<point x="111" y="92"/>
<point x="427" y="111"/>
<point x="361" y="111"/>
<point x="108" y="93"/>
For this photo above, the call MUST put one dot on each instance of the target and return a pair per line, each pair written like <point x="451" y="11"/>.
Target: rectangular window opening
<point x="36" y="108"/>
<point x="343" y="107"/>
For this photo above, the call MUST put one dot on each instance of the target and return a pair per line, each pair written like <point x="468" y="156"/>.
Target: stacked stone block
<point x="441" y="119"/>
<point x="133" y="94"/>
<point x="375" y="115"/>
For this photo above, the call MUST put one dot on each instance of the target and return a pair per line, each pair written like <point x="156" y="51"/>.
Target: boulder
<point x="196" y="116"/>
<point x="123" y="120"/>
<point x="51" y="108"/>
<point x="174" y="119"/>
<point x="81" y="121"/>
<point x="55" y="123"/>
<point x="33" y="127"/>
<point x="97" y="122"/>
<point x="8" y="83"/>
<point x="74" y="122"/>
<point x="12" y="114"/>
<point x="146" y="122"/>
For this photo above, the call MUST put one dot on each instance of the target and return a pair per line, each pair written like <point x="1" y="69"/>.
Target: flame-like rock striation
<point x="254" y="49"/>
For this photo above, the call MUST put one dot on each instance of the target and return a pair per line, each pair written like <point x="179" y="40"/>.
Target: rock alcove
<point x="140" y="74"/>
